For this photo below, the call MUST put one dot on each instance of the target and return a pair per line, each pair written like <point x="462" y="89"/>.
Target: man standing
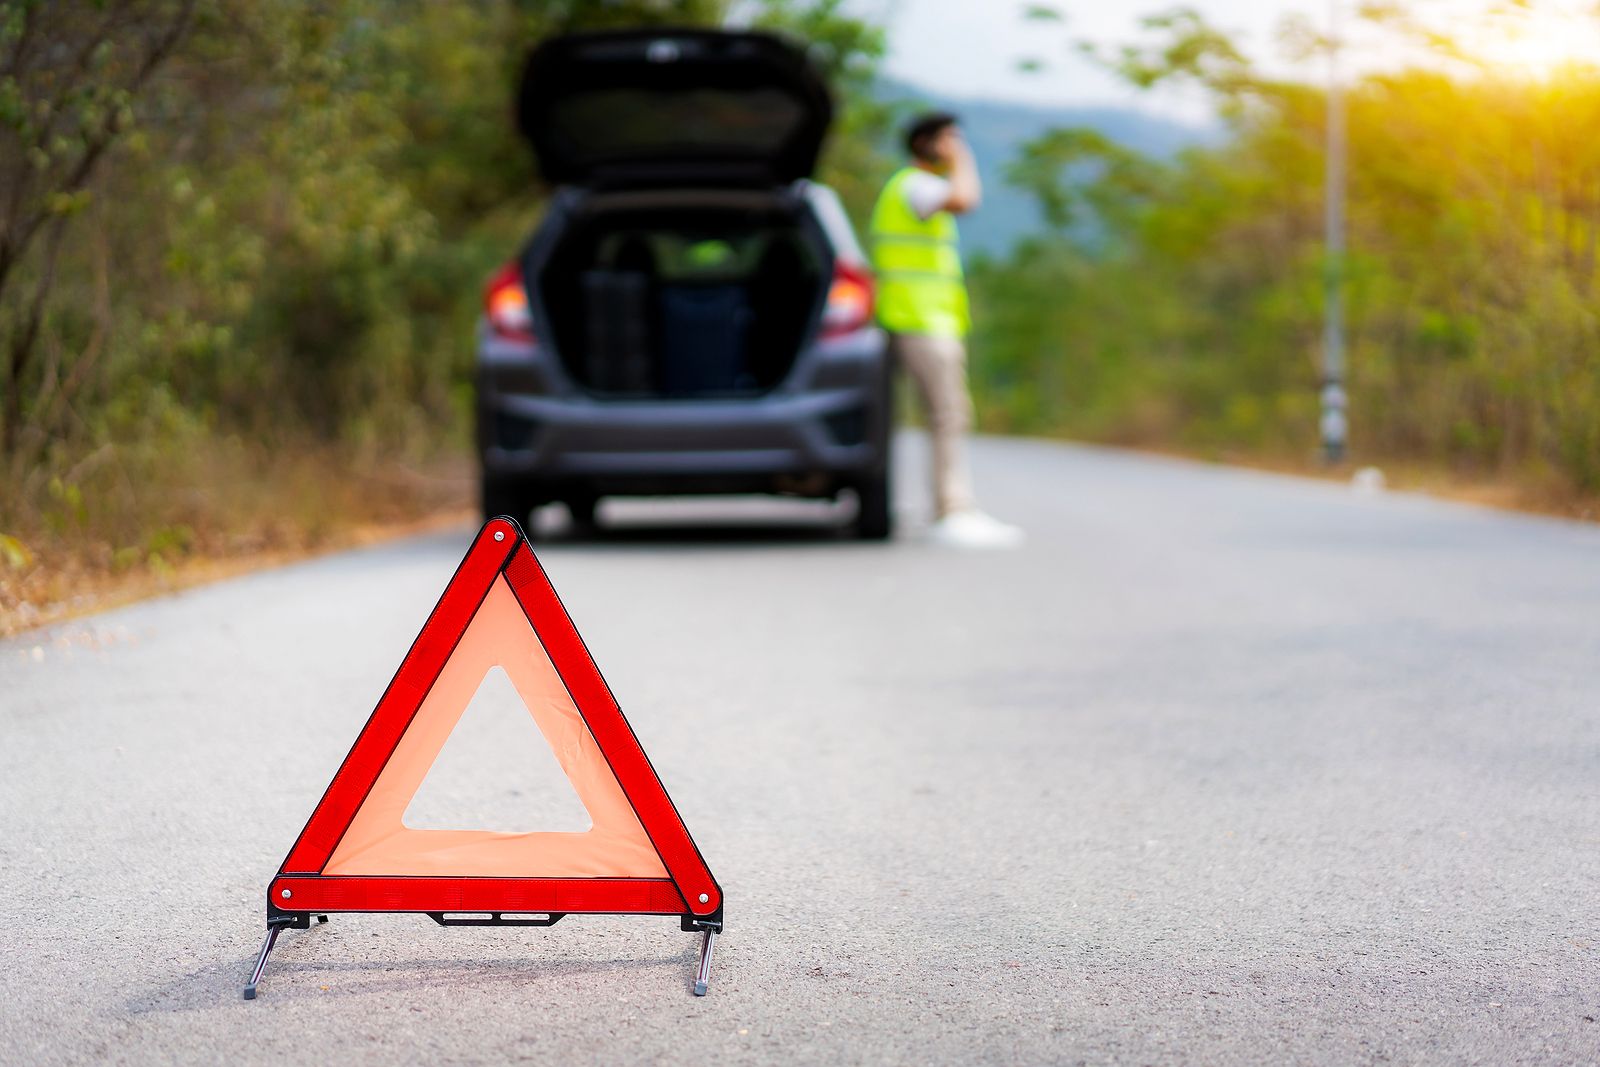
<point x="922" y="302"/>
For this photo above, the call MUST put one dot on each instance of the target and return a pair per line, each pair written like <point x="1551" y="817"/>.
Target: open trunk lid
<point x="673" y="106"/>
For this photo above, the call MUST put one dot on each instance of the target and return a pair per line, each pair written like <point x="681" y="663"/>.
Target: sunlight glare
<point x="1536" y="39"/>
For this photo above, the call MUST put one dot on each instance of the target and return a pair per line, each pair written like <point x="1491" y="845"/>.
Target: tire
<point x="582" y="507"/>
<point x="874" y="493"/>
<point x="874" y="516"/>
<point x="505" y="496"/>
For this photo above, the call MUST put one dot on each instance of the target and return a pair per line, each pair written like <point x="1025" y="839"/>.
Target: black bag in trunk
<point x="705" y="331"/>
<point x="618" y="309"/>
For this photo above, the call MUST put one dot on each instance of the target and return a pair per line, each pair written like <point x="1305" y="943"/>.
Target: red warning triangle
<point x="357" y="854"/>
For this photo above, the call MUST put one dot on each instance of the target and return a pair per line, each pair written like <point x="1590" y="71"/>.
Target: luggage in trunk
<point x="705" y="331"/>
<point x="618" y="314"/>
<point x="708" y="300"/>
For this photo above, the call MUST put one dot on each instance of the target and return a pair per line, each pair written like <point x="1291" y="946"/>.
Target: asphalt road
<point x="1221" y="768"/>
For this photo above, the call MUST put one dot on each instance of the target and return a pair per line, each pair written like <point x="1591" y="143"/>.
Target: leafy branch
<point x="70" y="80"/>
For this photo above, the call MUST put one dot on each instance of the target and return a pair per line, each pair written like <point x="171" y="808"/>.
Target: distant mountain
<point x="996" y="129"/>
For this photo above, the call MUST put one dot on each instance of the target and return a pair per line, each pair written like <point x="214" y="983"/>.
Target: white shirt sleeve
<point x="926" y="193"/>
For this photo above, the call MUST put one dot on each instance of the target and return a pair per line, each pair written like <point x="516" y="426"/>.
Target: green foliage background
<point x="266" y="281"/>
<point x="1180" y="304"/>
<point x="281" y="252"/>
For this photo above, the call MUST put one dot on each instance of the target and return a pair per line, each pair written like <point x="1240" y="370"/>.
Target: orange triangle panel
<point x="357" y="854"/>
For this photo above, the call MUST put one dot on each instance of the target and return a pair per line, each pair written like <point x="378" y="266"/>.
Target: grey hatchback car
<point x="693" y="314"/>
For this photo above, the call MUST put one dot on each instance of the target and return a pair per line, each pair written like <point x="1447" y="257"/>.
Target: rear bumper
<point x="831" y="421"/>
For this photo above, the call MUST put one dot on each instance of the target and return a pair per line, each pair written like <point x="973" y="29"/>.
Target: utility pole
<point x="1335" y="424"/>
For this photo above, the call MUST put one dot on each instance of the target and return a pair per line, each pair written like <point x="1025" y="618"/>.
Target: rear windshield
<point x="647" y="106"/>
<point x="603" y="125"/>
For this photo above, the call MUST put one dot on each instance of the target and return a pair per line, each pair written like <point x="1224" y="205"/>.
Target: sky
<point x="970" y="48"/>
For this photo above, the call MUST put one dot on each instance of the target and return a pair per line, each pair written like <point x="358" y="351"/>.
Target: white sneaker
<point x="974" y="529"/>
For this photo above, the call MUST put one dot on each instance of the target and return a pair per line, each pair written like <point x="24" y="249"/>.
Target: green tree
<point x="1080" y="175"/>
<point x="71" y="78"/>
<point x="255" y="231"/>
<point x="1191" y="317"/>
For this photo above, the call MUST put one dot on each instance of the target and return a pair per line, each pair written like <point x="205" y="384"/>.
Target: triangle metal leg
<point x="261" y="961"/>
<point x="702" y="977"/>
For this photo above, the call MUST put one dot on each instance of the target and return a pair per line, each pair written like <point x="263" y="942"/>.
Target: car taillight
<point x="849" y="306"/>
<point x="505" y="302"/>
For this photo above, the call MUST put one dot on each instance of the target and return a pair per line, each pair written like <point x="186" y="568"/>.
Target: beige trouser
<point x="938" y="365"/>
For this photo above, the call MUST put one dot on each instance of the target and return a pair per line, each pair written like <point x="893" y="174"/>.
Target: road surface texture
<point x="1223" y="767"/>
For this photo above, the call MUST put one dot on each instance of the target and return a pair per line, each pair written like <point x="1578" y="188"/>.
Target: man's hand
<point x="956" y="160"/>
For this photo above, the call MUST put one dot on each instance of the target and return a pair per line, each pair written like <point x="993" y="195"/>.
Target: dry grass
<point x="226" y="518"/>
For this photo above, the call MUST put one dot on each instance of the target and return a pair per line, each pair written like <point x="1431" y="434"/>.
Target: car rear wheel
<point x="874" y="518"/>
<point x="874" y="506"/>
<point x="581" y="506"/>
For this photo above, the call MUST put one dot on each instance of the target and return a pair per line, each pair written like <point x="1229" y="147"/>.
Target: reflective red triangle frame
<point x="300" y="889"/>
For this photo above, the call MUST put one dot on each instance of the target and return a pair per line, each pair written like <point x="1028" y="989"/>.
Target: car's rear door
<point x="665" y="107"/>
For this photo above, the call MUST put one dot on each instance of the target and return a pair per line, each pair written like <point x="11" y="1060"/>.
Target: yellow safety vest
<point x="918" y="263"/>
